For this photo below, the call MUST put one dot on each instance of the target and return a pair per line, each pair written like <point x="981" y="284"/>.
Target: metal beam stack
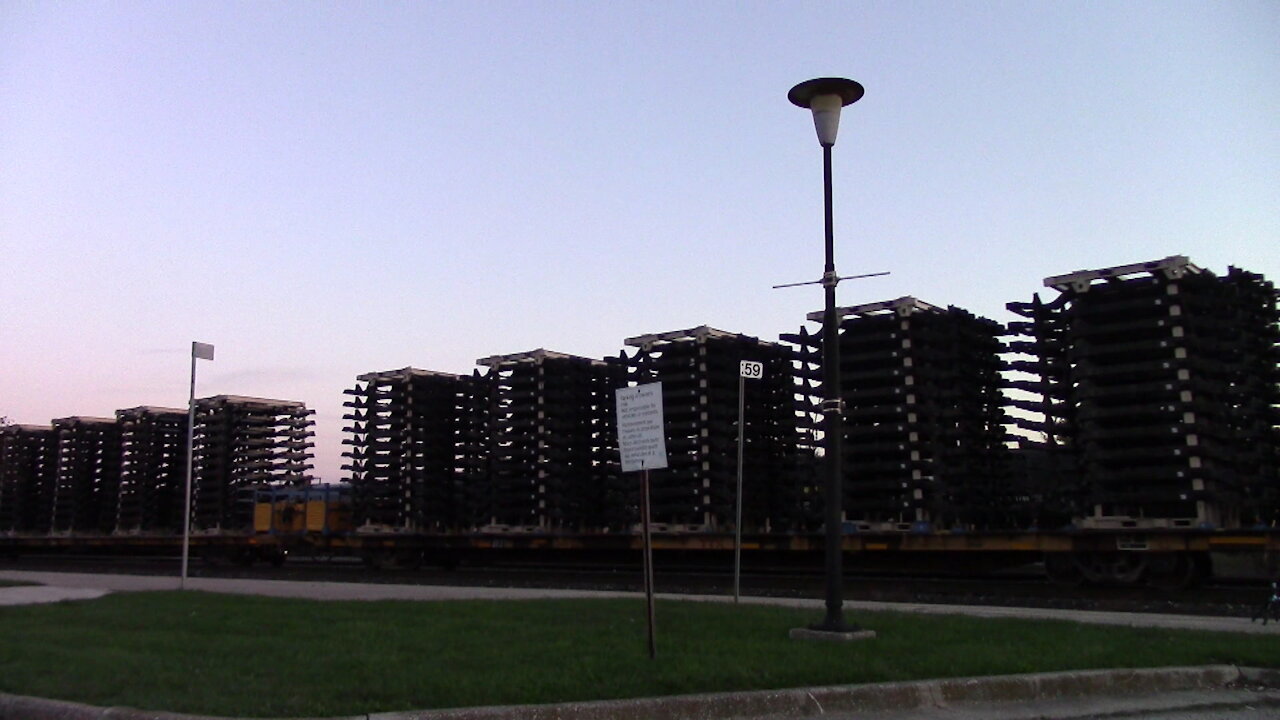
<point x="415" y="449"/>
<point x="153" y="464"/>
<point x="699" y="372"/>
<point x="923" y="413"/>
<point x="88" y="475"/>
<point x="242" y="445"/>
<point x="552" y="438"/>
<point x="28" y="476"/>
<point x="1160" y="380"/>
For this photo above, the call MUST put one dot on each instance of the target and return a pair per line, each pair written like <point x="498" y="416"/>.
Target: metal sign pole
<point x="746" y="369"/>
<point x="186" y="505"/>
<point x="737" y="524"/>
<point x="648" y="564"/>
<point x="642" y="446"/>
<point x="199" y="351"/>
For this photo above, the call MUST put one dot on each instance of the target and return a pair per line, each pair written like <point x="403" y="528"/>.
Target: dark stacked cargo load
<point x="924" y="443"/>
<point x="415" y="449"/>
<point x="244" y="445"/>
<point x="1159" y="379"/>
<point x="1253" y="394"/>
<point x="28" y="476"/>
<point x="552" y="439"/>
<point x="87" y="493"/>
<point x="1045" y="461"/>
<point x="153" y="466"/>
<point x="699" y="372"/>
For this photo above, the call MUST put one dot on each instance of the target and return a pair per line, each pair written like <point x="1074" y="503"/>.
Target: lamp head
<point x="825" y="97"/>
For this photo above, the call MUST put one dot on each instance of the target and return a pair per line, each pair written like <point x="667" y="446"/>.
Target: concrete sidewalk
<point x="62" y="582"/>
<point x="32" y="594"/>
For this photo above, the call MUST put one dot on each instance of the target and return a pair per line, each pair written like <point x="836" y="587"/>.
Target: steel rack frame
<point x="924" y="439"/>
<point x="415" y="454"/>
<point x="552" y="444"/>
<point x="241" y="446"/>
<point x="1159" y="380"/>
<point x="699" y="371"/>
<point x="87" y="489"/>
<point x="153" y="459"/>
<point x="28" y="477"/>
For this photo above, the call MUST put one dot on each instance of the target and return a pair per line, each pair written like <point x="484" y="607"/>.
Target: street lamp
<point x="825" y="97"/>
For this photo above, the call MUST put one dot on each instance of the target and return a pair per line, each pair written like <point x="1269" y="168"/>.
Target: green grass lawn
<point x="241" y="655"/>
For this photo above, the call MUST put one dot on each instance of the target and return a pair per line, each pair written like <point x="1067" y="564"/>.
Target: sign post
<point x="199" y="351"/>
<point x="643" y="446"/>
<point x="755" y="370"/>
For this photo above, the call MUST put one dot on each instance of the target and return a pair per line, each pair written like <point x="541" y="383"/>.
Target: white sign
<point x="751" y="369"/>
<point x="640" y="434"/>
<point x="201" y="351"/>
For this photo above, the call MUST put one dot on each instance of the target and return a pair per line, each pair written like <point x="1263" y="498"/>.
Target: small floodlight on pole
<point x="199" y="351"/>
<point x="825" y="97"/>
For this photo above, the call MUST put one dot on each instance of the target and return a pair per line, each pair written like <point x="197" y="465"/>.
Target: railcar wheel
<point x="1107" y="568"/>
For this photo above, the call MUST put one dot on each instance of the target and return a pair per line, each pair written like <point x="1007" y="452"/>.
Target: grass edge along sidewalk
<point x="269" y="657"/>
<point x="1075" y="693"/>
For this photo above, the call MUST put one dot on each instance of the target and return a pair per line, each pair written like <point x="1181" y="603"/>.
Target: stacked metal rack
<point x="924" y="441"/>
<point x="699" y="372"/>
<point x="242" y="445"/>
<point x="1037" y="385"/>
<point x="87" y="489"/>
<point x="416" y="449"/>
<point x="553" y="458"/>
<point x="153" y="455"/>
<point x="28" y="467"/>
<point x="1159" y="379"/>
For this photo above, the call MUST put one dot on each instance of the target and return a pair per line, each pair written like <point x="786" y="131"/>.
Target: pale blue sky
<point x="326" y="189"/>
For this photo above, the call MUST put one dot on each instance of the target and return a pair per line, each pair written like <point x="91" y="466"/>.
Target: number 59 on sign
<point x="751" y="369"/>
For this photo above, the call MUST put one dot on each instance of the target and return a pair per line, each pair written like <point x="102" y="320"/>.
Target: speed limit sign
<point x="751" y="369"/>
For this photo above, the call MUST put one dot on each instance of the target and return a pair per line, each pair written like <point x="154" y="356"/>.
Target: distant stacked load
<point x="553" y="455"/>
<point x="244" y="445"/>
<point x="1160" y="380"/>
<point x="924" y="436"/>
<point x="699" y="372"/>
<point x="87" y="490"/>
<point x="153" y="464"/>
<point x="417" y="449"/>
<point x="28" y="467"/>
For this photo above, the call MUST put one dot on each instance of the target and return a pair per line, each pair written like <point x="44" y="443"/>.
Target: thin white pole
<point x="186" y="505"/>
<point x="737" y="525"/>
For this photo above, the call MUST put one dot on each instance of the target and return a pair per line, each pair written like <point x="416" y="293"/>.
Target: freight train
<point x="1124" y="431"/>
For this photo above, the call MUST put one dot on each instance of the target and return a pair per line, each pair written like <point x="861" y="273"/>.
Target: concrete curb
<point x="791" y="703"/>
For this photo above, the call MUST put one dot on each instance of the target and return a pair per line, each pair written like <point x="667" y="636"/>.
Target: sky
<point x="326" y="189"/>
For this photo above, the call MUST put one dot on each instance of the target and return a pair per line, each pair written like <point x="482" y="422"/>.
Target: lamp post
<point x="825" y="97"/>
